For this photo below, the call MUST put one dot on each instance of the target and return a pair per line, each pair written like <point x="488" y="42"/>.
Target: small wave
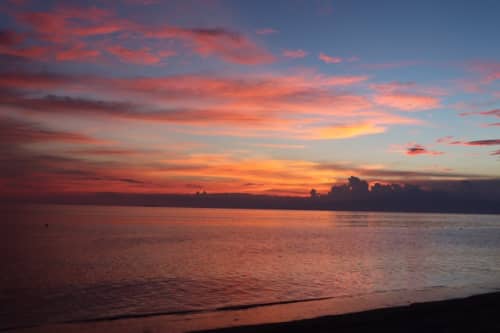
<point x="213" y="309"/>
<point x="195" y="311"/>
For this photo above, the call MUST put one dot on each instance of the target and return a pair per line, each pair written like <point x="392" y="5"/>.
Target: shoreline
<point x="301" y="209"/>
<point x="335" y="314"/>
<point x="471" y="314"/>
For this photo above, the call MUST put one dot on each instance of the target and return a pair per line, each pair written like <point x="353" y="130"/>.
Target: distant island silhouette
<point x="354" y="195"/>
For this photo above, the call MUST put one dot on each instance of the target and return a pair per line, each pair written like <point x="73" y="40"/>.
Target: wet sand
<point x="398" y="311"/>
<point x="472" y="314"/>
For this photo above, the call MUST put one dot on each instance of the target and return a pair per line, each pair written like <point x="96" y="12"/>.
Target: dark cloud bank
<point x="477" y="196"/>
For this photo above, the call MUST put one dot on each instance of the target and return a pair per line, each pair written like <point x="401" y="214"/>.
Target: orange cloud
<point x="349" y="131"/>
<point x="278" y="146"/>
<point x="78" y="172"/>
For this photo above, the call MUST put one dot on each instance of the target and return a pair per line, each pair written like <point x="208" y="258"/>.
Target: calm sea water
<point x="95" y="262"/>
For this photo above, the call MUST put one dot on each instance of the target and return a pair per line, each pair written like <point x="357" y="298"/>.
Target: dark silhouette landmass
<point x="472" y="314"/>
<point x="354" y="195"/>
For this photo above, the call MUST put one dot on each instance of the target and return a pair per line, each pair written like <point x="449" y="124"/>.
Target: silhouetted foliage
<point x="480" y="196"/>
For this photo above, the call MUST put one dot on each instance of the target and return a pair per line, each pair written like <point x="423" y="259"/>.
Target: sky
<point x="264" y="97"/>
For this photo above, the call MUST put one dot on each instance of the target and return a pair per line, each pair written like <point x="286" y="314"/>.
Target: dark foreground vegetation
<point x="472" y="314"/>
<point x="355" y="195"/>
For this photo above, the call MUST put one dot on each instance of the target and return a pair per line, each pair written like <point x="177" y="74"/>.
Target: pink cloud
<point x="14" y="132"/>
<point x="63" y="24"/>
<point x="10" y="38"/>
<point x="33" y="52"/>
<point x="389" y="65"/>
<point x="324" y="7"/>
<point x="485" y="74"/>
<point x="328" y="59"/>
<point x="416" y="149"/>
<point x="253" y="105"/>
<point x="407" y="102"/>
<point x="142" y="56"/>
<point x="490" y="71"/>
<point x="18" y="2"/>
<point x="495" y="113"/>
<point x="77" y="52"/>
<point x="451" y="141"/>
<point x="68" y="25"/>
<point x="482" y="142"/>
<point x="295" y="106"/>
<point x="445" y="139"/>
<point x="295" y="53"/>
<point x="407" y="96"/>
<point x="105" y="152"/>
<point x="142" y="2"/>
<point x="228" y="45"/>
<point x="266" y="31"/>
<point x="172" y="87"/>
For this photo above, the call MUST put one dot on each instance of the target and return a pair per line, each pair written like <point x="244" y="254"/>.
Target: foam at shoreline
<point x="256" y="314"/>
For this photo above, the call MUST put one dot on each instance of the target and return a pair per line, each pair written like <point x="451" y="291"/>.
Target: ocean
<point x="77" y="263"/>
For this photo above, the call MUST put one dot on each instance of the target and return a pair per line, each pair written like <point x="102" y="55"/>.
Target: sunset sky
<point x="272" y="97"/>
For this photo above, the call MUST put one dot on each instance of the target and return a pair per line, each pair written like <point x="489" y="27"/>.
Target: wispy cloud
<point x="348" y="131"/>
<point x="278" y="145"/>
<point x="389" y="65"/>
<point x="416" y="149"/>
<point x="329" y="59"/>
<point x="295" y="53"/>
<point x="407" y="96"/>
<point x="226" y="44"/>
<point x="65" y="29"/>
<point x="77" y="51"/>
<point x="451" y="141"/>
<point x="269" y="105"/>
<point x="266" y="31"/>
<point x="141" y="56"/>
<point x="14" y="131"/>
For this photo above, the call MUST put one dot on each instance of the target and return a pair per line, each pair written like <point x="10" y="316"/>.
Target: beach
<point x="472" y="314"/>
<point x="434" y="310"/>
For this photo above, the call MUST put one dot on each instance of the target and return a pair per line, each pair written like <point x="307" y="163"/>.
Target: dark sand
<point x="472" y="314"/>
